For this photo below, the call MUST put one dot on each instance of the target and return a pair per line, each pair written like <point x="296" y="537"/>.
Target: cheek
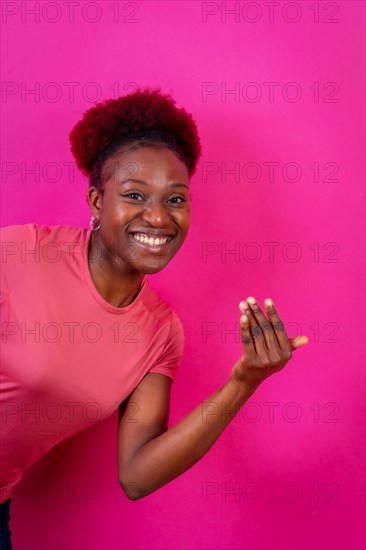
<point x="186" y="218"/>
<point x="118" y="212"/>
<point x="183" y="219"/>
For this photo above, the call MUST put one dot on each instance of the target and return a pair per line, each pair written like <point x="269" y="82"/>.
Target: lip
<point x="152" y="247"/>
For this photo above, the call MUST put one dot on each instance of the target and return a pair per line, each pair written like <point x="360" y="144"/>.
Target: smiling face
<point x="146" y="197"/>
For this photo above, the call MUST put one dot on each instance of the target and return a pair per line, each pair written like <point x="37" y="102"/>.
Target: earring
<point x="93" y="223"/>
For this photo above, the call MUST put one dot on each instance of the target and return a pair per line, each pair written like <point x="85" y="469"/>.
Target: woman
<point x="84" y="333"/>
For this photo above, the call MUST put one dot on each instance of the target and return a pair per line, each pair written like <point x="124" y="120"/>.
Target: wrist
<point x="243" y="389"/>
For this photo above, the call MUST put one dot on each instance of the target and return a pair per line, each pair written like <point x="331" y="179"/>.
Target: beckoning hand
<point x="267" y="347"/>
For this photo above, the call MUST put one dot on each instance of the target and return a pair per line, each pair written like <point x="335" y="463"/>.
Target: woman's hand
<point x="267" y="347"/>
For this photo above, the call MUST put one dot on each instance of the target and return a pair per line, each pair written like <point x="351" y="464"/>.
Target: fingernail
<point x="243" y="306"/>
<point x="268" y="302"/>
<point x="251" y="300"/>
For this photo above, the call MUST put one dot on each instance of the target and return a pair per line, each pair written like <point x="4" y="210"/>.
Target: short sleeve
<point x="169" y="361"/>
<point x="17" y="247"/>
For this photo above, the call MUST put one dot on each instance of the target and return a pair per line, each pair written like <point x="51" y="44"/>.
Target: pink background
<point x="298" y="472"/>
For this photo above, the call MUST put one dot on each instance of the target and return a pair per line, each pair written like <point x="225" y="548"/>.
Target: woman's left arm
<point x="150" y="455"/>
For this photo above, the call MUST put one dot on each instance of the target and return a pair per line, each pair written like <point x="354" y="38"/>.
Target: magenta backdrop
<point x="277" y="91"/>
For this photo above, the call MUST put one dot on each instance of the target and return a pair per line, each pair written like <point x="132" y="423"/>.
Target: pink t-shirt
<point x="68" y="357"/>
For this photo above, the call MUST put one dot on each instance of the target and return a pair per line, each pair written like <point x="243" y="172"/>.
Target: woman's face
<point x="156" y="206"/>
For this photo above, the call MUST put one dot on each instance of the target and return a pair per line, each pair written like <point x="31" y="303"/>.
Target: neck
<point x="116" y="283"/>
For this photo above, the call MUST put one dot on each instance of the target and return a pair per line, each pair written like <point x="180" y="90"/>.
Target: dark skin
<point x="150" y="455"/>
<point x="121" y="263"/>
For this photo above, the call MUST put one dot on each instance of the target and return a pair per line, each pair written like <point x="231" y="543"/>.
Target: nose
<point x="156" y="215"/>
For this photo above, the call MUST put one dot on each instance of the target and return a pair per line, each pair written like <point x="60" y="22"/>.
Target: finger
<point x="298" y="341"/>
<point x="246" y="336"/>
<point x="255" y="330"/>
<point x="265" y="325"/>
<point x="278" y="326"/>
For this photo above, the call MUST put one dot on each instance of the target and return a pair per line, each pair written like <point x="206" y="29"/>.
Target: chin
<point x="150" y="270"/>
<point x="153" y="264"/>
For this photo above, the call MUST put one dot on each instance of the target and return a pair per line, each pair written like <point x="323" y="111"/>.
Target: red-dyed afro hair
<point x="137" y="113"/>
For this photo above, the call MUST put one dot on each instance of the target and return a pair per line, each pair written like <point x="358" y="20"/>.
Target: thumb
<point x="298" y="341"/>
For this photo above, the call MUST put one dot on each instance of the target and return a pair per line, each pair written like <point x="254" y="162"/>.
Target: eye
<point x="180" y="198"/>
<point x="173" y="200"/>
<point x="131" y="195"/>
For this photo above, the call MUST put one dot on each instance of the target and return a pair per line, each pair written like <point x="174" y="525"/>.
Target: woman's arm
<point x="150" y="455"/>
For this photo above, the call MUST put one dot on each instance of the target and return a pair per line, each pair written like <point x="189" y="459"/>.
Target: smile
<point x="150" y="240"/>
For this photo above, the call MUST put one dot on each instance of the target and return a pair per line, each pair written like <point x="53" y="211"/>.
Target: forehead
<point x="148" y="162"/>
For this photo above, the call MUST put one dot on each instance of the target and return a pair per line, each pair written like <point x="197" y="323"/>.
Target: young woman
<point x="84" y="333"/>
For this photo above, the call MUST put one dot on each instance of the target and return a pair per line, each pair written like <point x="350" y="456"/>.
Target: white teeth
<point x="150" y="240"/>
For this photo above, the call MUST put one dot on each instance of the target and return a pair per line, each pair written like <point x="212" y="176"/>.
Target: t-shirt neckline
<point x="89" y="281"/>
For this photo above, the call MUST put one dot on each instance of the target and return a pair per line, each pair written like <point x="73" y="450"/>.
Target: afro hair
<point x="143" y="114"/>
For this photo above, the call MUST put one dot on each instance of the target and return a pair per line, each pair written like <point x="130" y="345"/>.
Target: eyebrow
<point x="145" y="183"/>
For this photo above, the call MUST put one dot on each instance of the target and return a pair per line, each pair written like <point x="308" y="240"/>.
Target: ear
<point x="94" y="199"/>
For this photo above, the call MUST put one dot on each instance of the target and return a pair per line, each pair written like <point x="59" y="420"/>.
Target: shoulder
<point x="18" y="233"/>
<point x="32" y="233"/>
<point x="23" y="246"/>
<point x="176" y="326"/>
